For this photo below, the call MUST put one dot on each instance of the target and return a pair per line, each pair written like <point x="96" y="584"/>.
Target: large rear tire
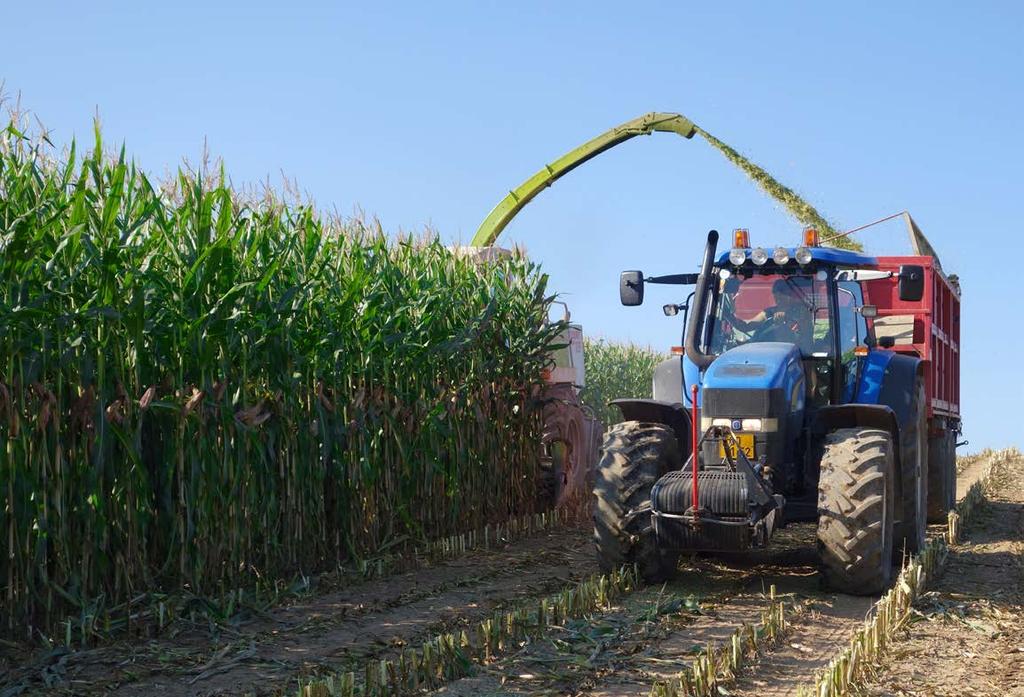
<point x="941" y="476"/>
<point x="633" y="457"/>
<point x="855" y="510"/>
<point x="913" y="527"/>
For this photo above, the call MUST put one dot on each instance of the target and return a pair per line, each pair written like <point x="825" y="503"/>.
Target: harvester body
<point x="572" y="433"/>
<point x="810" y="385"/>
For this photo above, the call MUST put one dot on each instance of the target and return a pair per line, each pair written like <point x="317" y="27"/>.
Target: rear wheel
<point x="855" y="510"/>
<point x="910" y="534"/>
<point x="633" y="457"/>
<point x="941" y="476"/>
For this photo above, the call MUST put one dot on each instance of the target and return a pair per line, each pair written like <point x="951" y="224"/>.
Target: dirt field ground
<point x="326" y="631"/>
<point x="968" y="634"/>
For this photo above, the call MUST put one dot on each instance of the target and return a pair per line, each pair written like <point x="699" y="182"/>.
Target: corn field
<point x="199" y="390"/>
<point x="616" y="370"/>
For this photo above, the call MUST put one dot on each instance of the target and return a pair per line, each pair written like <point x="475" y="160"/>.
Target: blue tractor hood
<point x="764" y="365"/>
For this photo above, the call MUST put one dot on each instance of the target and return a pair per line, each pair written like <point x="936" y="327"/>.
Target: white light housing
<point x="737" y="256"/>
<point x="780" y="256"/>
<point x="721" y="422"/>
<point x="803" y="255"/>
<point x="759" y="256"/>
<point x="752" y="424"/>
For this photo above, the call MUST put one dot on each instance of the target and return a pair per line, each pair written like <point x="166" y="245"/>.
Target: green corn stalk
<point x="199" y="389"/>
<point x="616" y="370"/>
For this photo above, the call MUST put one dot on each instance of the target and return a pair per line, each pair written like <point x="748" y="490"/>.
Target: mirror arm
<point x="680" y="279"/>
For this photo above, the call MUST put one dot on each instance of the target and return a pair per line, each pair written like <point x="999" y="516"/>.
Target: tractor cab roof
<point x="831" y="256"/>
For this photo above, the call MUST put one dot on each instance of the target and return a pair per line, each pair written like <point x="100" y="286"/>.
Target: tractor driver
<point x="789" y="319"/>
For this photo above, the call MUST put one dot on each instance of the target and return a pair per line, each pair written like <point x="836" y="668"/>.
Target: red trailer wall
<point x="936" y="333"/>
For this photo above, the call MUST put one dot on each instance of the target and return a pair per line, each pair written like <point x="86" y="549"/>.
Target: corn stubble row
<point x="453" y="655"/>
<point x="202" y="390"/>
<point x="718" y="665"/>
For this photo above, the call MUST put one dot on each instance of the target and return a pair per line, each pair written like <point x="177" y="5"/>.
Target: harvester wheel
<point x="941" y="476"/>
<point x="910" y="534"/>
<point x="855" y="510"/>
<point x="633" y="457"/>
<point x="562" y="461"/>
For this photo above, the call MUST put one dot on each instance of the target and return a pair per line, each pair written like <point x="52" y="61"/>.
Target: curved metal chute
<point x="517" y="199"/>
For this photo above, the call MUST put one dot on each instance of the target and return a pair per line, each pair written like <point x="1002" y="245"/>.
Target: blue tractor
<point x="782" y="405"/>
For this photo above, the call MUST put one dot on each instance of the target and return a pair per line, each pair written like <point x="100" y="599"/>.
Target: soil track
<point x="651" y="635"/>
<point x="655" y="633"/>
<point x="609" y="656"/>
<point x="323" y="632"/>
<point x="967" y="636"/>
<point x="816" y="638"/>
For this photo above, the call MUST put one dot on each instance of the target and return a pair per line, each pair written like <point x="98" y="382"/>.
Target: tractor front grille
<point x="742" y="402"/>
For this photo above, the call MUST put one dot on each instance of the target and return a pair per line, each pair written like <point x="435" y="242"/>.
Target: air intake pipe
<point x="694" y="328"/>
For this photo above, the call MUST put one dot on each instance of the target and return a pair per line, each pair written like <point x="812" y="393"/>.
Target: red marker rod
<point x="693" y="450"/>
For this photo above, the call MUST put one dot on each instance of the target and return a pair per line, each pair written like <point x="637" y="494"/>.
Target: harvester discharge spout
<point x="516" y="200"/>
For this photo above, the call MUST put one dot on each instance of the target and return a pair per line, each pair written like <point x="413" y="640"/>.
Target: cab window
<point x="853" y="329"/>
<point x="853" y="332"/>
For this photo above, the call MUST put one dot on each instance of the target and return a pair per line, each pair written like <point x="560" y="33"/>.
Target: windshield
<point x="771" y="307"/>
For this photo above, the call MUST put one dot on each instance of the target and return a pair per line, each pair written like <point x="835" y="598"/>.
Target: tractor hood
<point x="755" y="380"/>
<point x="764" y="365"/>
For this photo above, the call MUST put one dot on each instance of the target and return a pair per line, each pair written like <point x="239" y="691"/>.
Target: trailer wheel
<point x="855" y="510"/>
<point x="633" y="457"/>
<point x="910" y="536"/>
<point x="941" y="476"/>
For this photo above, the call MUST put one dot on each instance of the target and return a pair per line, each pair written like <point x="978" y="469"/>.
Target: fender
<point x="834" y="416"/>
<point x="898" y="385"/>
<point x="887" y="378"/>
<point x="654" y="411"/>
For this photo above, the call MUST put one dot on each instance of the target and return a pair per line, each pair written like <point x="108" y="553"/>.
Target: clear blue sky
<point x="427" y="113"/>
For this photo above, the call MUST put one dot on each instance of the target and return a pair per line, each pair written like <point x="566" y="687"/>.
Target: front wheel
<point x="633" y="457"/>
<point x="855" y="510"/>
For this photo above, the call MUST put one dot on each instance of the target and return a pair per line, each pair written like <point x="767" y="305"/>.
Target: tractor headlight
<point x="780" y="256"/>
<point x="759" y="256"/>
<point x="803" y="255"/>
<point x="737" y="256"/>
<point x="752" y="424"/>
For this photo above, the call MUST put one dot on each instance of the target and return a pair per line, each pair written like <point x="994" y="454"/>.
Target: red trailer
<point x="929" y="328"/>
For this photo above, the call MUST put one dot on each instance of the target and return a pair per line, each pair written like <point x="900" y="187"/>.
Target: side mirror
<point x="631" y="288"/>
<point x="671" y="310"/>
<point x="868" y="311"/>
<point x="911" y="282"/>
